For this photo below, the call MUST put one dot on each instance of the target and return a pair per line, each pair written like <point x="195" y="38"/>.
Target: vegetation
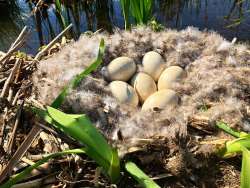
<point x="140" y="10"/>
<point x="140" y="176"/>
<point x="59" y="11"/>
<point x="239" y="145"/>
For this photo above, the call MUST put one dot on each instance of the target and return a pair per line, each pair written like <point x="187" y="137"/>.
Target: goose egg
<point x="121" y="68"/>
<point x="144" y="85"/>
<point x="153" y="64"/>
<point x="161" y="99"/>
<point x="169" y="76"/>
<point x="124" y="93"/>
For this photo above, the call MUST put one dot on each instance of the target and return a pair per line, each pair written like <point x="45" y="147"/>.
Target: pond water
<point x="230" y="18"/>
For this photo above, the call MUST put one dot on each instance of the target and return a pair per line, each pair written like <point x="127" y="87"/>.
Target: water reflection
<point x="228" y="17"/>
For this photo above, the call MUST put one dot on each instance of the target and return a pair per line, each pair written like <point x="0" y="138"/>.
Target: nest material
<point x="217" y="87"/>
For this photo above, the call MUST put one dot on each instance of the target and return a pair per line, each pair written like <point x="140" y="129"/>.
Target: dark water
<point x="230" y="18"/>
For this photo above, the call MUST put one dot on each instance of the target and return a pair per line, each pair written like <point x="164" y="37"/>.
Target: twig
<point x="16" y="97"/>
<point x="3" y="80"/>
<point x="43" y="51"/>
<point x="10" y="78"/>
<point x="37" y="5"/>
<point x="17" y="44"/>
<point x="20" y="37"/>
<point x="10" y="94"/>
<point x="2" y="134"/>
<point x="12" y="137"/>
<point x="20" y="152"/>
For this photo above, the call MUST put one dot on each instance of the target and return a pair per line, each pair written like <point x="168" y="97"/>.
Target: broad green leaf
<point x="80" y="128"/>
<point x="245" y="169"/>
<point x="13" y="180"/>
<point x="140" y="176"/>
<point x="241" y="144"/>
<point x="233" y="147"/>
<point x="76" y="81"/>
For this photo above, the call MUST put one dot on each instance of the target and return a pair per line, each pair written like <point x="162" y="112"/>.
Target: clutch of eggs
<point x="151" y="88"/>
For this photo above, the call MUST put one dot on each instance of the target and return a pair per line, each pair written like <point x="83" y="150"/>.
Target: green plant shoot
<point x="245" y="168"/>
<point x="239" y="145"/>
<point x="81" y="129"/>
<point x="140" y="176"/>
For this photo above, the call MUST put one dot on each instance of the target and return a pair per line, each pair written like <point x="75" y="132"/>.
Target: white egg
<point x="161" y="99"/>
<point x="153" y="64"/>
<point x="121" y="68"/>
<point x="124" y="93"/>
<point x="144" y="85"/>
<point x="169" y="76"/>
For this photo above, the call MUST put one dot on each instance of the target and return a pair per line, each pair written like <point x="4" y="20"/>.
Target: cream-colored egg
<point x="121" y="68"/>
<point x="153" y="64"/>
<point x="124" y="93"/>
<point x="161" y="99"/>
<point x="144" y="85"/>
<point x="169" y="76"/>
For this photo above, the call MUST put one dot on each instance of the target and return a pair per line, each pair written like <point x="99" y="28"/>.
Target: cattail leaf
<point x="140" y="176"/>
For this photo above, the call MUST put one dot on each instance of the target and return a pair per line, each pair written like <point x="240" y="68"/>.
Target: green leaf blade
<point x="76" y="81"/>
<point x="227" y="129"/>
<point x="140" y="176"/>
<point x="80" y="128"/>
<point x="245" y="169"/>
